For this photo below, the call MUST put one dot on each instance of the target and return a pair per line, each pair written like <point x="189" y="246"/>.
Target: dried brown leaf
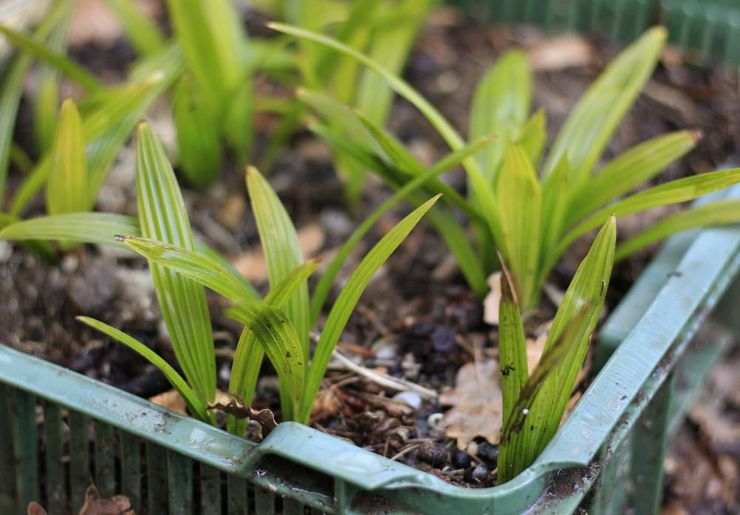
<point x="492" y="300"/>
<point x="171" y="400"/>
<point x="559" y="53"/>
<point x="95" y="505"/>
<point x="253" y="267"/>
<point x="238" y="408"/>
<point x="476" y="404"/>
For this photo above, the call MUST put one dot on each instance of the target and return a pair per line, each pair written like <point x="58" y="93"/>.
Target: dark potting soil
<point x="417" y="320"/>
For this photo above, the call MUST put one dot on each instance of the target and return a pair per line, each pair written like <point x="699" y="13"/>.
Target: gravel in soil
<point x="417" y="320"/>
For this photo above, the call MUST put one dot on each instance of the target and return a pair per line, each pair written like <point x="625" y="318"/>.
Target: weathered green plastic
<point x="708" y="29"/>
<point x="166" y="463"/>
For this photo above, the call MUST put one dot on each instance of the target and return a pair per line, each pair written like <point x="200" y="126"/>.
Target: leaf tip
<point x="696" y="135"/>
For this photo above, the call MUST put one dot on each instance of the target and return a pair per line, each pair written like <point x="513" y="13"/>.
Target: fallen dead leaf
<point x="94" y="505"/>
<point x="238" y="408"/>
<point x="252" y="265"/>
<point x="559" y="53"/>
<point x="171" y="400"/>
<point x="476" y="404"/>
<point x="35" y="508"/>
<point x="94" y="22"/>
<point x="492" y="300"/>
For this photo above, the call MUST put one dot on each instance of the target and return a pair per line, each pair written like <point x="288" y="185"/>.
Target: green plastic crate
<point x="59" y="430"/>
<point x="707" y="29"/>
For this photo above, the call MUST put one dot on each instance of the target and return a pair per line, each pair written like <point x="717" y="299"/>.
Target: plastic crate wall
<point x="707" y="29"/>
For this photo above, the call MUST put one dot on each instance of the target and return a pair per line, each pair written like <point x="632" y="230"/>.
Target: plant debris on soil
<point x="429" y="332"/>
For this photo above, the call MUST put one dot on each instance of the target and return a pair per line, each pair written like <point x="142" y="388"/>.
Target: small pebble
<point x="434" y="420"/>
<point x="461" y="459"/>
<point x="411" y="399"/>
<point x="6" y="250"/>
<point x="480" y="472"/>
<point x="488" y="452"/>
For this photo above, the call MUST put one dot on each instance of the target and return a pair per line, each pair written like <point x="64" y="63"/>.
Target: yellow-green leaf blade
<point x="163" y="217"/>
<point x="195" y="265"/>
<point x="599" y="111"/>
<point x="512" y="348"/>
<point x="520" y="201"/>
<point x="66" y="190"/>
<point x="632" y="168"/>
<point x="350" y="295"/>
<point x="196" y="405"/>
<point x="721" y="212"/>
<point x="281" y="248"/>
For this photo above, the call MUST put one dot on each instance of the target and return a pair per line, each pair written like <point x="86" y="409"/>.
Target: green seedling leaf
<point x="163" y="217"/>
<point x="448" y="133"/>
<point x="466" y="257"/>
<point x="542" y="401"/>
<point x="721" y="212"/>
<point x="348" y="298"/>
<point x="197" y="137"/>
<point x="390" y="45"/>
<point x="194" y="402"/>
<point x="199" y="267"/>
<point x="533" y="138"/>
<point x="106" y="128"/>
<point x="43" y="53"/>
<point x="597" y="115"/>
<point x="47" y="101"/>
<point x="556" y="199"/>
<point x="681" y="190"/>
<point x="66" y="191"/>
<point x="500" y="107"/>
<point x="279" y="340"/>
<point x="517" y="441"/>
<point x="520" y="201"/>
<point x="249" y="353"/>
<point x="512" y="347"/>
<point x="12" y="88"/>
<point x="99" y="228"/>
<point x="281" y="248"/>
<point x="636" y="166"/>
<point x="145" y="37"/>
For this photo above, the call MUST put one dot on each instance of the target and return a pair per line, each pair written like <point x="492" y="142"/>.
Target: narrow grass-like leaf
<point x="106" y="128"/>
<point x="163" y="217"/>
<point x="598" y="113"/>
<point x="543" y="399"/>
<point x="512" y="347"/>
<point x="66" y="190"/>
<point x="520" y="201"/>
<point x="195" y="265"/>
<point x="556" y="200"/>
<point x="197" y="137"/>
<point x="43" y="53"/>
<point x="46" y="109"/>
<point x="721" y="212"/>
<point x="632" y="168"/>
<point x="390" y="44"/>
<point x="348" y="298"/>
<point x="195" y="403"/>
<point x="277" y="335"/>
<point x="517" y="441"/>
<point x="12" y="89"/>
<point x="249" y="353"/>
<point x="47" y="101"/>
<point x="681" y="190"/>
<point x="99" y="228"/>
<point x="145" y="37"/>
<point x="281" y="248"/>
<point x="448" y="133"/>
<point x="500" y="107"/>
<point x="533" y="138"/>
<point x="465" y="255"/>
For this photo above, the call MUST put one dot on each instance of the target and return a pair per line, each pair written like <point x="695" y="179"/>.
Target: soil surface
<point x="417" y="321"/>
